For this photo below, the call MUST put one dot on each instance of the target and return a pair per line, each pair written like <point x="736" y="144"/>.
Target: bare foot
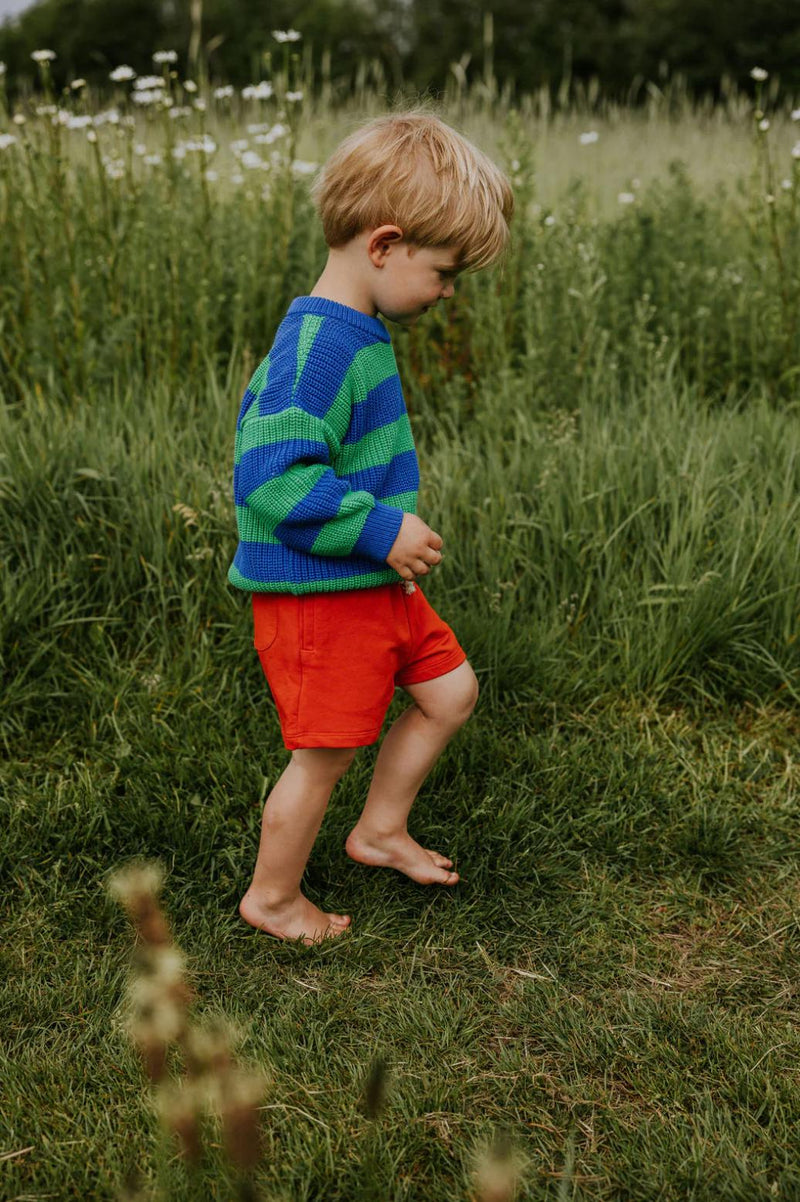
<point x="403" y="853"/>
<point x="302" y="918"/>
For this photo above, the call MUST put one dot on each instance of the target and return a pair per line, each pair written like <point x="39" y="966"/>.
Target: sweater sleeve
<point x="283" y="473"/>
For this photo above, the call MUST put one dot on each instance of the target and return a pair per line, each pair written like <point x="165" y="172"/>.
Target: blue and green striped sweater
<point x="324" y="462"/>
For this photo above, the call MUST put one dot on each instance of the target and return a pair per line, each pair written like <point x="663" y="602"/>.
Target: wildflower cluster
<point x="157" y="1004"/>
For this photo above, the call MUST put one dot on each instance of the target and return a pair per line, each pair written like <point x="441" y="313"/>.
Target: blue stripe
<point x="273" y="561"/>
<point x="401" y="475"/>
<point x="324" y="370"/>
<point x="260" y="464"/>
<point x="384" y="404"/>
<point x="303" y="524"/>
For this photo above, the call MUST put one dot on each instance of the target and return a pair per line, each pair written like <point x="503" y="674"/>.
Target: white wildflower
<point x="223" y="93"/>
<point x="549" y="219"/>
<point x="179" y="151"/>
<point x="769" y="198"/>
<point x="18" y="118"/>
<point x="121" y="74"/>
<point x="588" y="138"/>
<point x="259" y="91"/>
<point x="796" y="151"/>
<point x="115" y="168"/>
<point x="251" y="160"/>
<point x="764" y="125"/>
<point x="165" y="56"/>
<point x="79" y="121"/>
<point x="795" y="114"/>
<point x="2" y="70"/>
<point x="237" y="178"/>
<point x="148" y="82"/>
<point x="77" y="83"/>
<point x="257" y="129"/>
<point x="758" y="73"/>
<point x="43" y="56"/>
<point x="786" y="184"/>
<point x="189" y="86"/>
<point x="91" y="136"/>
<point x="199" y="104"/>
<point x="107" y="117"/>
<point x="152" y="160"/>
<point x="304" y="168"/>
<point x="180" y="110"/>
<point x="626" y="198"/>
<point x="293" y="97"/>
<point x="140" y="149"/>
<point x="211" y="176"/>
<point x="45" y="110"/>
<point x="6" y="140"/>
<point x="204" y="145"/>
<point x="239" y="145"/>
<point x="277" y="131"/>
<point x="148" y="96"/>
<point x="286" y="35"/>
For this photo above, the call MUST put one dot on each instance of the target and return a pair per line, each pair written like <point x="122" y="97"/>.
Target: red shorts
<point x="333" y="659"/>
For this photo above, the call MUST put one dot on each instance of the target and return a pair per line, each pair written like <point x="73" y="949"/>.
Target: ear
<point x="380" y="242"/>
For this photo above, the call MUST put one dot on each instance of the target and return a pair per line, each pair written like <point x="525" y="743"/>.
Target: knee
<point x="455" y="707"/>
<point x="325" y="763"/>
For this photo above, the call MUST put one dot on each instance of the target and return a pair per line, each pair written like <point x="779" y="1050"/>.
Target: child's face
<point x="413" y="279"/>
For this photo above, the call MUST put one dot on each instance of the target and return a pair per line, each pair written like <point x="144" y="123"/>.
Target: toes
<point x="439" y="860"/>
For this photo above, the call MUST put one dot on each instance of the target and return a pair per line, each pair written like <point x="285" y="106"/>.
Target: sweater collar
<point x="322" y="307"/>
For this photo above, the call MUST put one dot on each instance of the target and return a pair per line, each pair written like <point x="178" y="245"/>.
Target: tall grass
<point x="608" y="441"/>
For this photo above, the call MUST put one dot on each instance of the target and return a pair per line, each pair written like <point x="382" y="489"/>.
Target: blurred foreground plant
<point x="157" y="1016"/>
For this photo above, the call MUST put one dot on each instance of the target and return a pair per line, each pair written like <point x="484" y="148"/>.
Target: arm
<point x="283" y="474"/>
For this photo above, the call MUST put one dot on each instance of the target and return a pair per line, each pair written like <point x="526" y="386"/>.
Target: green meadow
<point x="607" y="429"/>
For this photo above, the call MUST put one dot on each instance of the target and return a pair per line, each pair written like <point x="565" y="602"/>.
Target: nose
<point x="448" y="290"/>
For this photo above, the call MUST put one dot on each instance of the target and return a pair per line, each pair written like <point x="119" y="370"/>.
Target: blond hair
<point x="413" y="170"/>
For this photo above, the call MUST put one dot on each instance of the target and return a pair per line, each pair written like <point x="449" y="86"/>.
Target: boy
<point x="325" y="483"/>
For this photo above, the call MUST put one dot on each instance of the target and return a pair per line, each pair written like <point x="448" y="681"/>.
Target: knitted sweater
<point x="324" y="460"/>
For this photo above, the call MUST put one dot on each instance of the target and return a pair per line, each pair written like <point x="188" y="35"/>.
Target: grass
<point x="608" y="445"/>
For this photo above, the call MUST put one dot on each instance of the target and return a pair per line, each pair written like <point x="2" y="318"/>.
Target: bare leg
<point x="292" y="817"/>
<point x="407" y="754"/>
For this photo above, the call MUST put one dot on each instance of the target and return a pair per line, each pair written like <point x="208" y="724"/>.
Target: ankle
<point x="272" y="900"/>
<point x="378" y="834"/>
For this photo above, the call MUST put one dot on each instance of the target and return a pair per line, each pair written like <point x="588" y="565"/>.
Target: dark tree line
<point x="533" y="42"/>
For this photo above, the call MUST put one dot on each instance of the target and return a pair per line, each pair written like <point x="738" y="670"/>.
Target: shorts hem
<point x="442" y="667"/>
<point x="361" y="738"/>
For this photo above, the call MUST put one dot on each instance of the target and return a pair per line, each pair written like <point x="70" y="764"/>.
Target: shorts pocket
<point x="265" y="620"/>
<point x="308" y="622"/>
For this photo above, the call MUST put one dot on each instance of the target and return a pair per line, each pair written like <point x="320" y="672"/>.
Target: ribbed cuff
<point x="379" y="532"/>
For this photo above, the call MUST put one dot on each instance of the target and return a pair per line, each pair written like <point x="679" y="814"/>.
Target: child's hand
<point x="415" y="549"/>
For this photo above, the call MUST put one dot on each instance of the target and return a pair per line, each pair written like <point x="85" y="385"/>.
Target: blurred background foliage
<point x="626" y="45"/>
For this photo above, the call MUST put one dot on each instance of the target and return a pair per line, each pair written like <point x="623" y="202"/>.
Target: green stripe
<point x="254" y="528"/>
<point x="342" y="530"/>
<point x="379" y="447"/>
<point x="375" y="364"/>
<point x="274" y="428"/>
<point x="278" y="497"/>
<point x="382" y="576"/>
<point x="309" y="329"/>
<point x="259" y="376"/>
